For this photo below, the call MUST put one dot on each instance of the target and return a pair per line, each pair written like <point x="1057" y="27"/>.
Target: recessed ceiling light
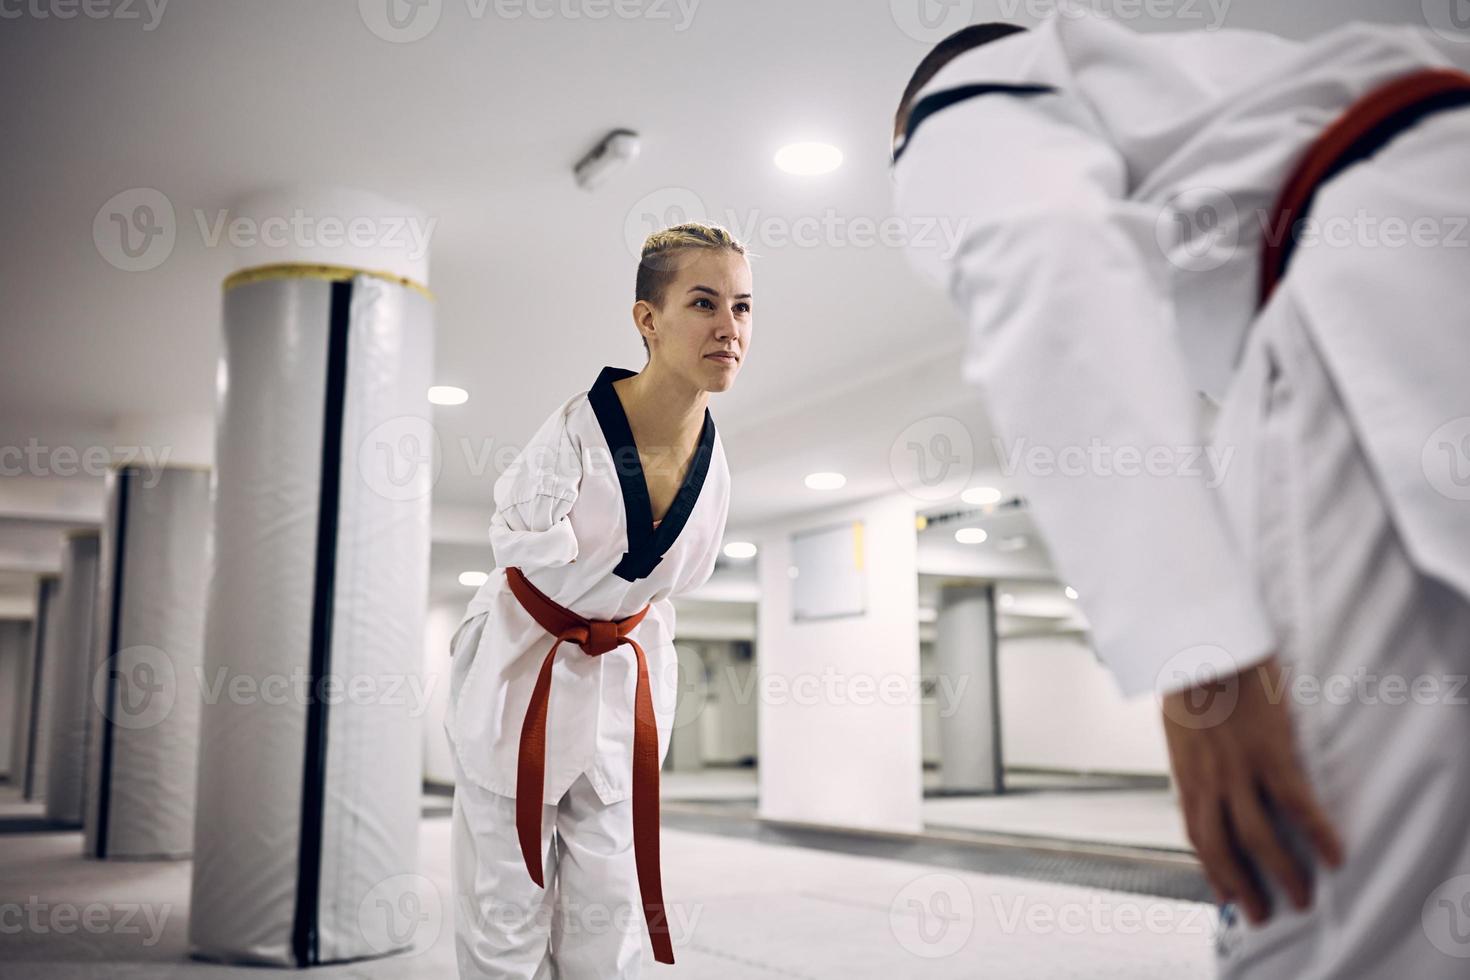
<point x="740" y="549"/>
<point x="473" y="579"/>
<point x="448" y="395"/>
<point x="970" y="535"/>
<point x="981" y="495"/>
<point x="825" y="481"/>
<point x="1071" y="592"/>
<point x="809" y="159"/>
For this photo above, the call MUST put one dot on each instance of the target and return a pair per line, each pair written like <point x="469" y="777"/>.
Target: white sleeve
<point x="1072" y="347"/>
<point x="532" y="527"/>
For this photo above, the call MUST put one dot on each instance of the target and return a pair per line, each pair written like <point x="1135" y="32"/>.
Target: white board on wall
<point x="828" y="578"/>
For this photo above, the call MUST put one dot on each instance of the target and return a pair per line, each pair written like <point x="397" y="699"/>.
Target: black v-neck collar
<point x="646" y="544"/>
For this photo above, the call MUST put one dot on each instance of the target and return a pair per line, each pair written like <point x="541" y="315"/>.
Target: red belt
<point x="1366" y="125"/>
<point x="595" y="637"/>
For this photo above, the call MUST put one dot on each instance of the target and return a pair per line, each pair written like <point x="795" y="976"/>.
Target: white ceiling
<point x="477" y="124"/>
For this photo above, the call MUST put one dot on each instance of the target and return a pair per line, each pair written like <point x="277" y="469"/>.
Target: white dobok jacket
<point x="1113" y="188"/>
<point x="573" y="513"/>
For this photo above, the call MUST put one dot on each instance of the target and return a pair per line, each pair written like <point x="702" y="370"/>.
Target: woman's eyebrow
<point x="715" y="292"/>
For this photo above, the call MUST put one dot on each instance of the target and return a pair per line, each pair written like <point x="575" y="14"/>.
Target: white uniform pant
<point x="586" y="924"/>
<point x="1375" y="655"/>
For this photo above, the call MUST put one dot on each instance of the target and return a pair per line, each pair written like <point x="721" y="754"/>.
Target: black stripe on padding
<point x="1364" y="147"/>
<point x="304" y="933"/>
<point x="938" y="101"/>
<point x="114" y="623"/>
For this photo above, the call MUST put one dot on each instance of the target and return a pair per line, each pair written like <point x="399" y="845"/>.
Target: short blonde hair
<point x="658" y="264"/>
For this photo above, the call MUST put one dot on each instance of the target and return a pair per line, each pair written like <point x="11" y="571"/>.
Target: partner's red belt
<point x="1361" y="130"/>
<point x="595" y="637"/>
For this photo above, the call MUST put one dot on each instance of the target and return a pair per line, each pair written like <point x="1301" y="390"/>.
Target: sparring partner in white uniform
<point x="1114" y="187"/>
<point x="573" y="514"/>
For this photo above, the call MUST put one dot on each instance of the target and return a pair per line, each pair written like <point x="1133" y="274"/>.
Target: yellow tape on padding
<point x="330" y="273"/>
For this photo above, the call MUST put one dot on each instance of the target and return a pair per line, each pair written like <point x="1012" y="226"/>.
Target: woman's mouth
<point x="723" y="356"/>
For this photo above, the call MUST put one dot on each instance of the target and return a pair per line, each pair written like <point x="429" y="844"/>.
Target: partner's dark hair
<point x="962" y="40"/>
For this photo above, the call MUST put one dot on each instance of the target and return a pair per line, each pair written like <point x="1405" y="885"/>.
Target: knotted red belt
<point x="595" y="637"/>
<point x="1365" y="126"/>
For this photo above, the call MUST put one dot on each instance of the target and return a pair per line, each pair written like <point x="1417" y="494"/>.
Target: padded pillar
<point x="310" y="759"/>
<point x="67" y="681"/>
<point x="143" y="739"/>
<point x="30" y="740"/>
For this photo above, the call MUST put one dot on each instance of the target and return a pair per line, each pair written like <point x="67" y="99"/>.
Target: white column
<point x="15" y="654"/>
<point x="969" y="721"/>
<point x="144" y="731"/>
<point x="68" y="675"/>
<point x="310" y="758"/>
<point x="30" y="743"/>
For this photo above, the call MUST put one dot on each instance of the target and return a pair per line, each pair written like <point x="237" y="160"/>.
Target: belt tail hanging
<point x="531" y="770"/>
<point x="645" y="812"/>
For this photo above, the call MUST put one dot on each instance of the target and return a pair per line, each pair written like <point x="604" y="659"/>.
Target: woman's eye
<point x="707" y="304"/>
<point x="742" y="307"/>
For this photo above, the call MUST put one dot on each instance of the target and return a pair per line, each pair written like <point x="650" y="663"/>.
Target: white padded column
<point x="31" y="737"/>
<point x="68" y="675"/>
<point x="310" y="761"/>
<point x="143" y="738"/>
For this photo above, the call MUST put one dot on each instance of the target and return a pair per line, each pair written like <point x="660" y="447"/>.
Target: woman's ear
<point x="643" y="318"/>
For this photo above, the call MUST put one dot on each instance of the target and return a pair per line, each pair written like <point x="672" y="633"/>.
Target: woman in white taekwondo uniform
<point x="616" y="506"/>
<point x="1125" y="201"/>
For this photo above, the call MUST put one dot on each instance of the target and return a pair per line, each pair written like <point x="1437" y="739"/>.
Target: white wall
<point x="1060" y="709"/>
<point x="852" y="759"/>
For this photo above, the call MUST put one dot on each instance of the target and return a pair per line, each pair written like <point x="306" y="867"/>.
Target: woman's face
<point x="706" y="313"/>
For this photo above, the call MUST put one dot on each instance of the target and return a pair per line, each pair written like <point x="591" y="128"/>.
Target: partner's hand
<point x="1232" y="750"/>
